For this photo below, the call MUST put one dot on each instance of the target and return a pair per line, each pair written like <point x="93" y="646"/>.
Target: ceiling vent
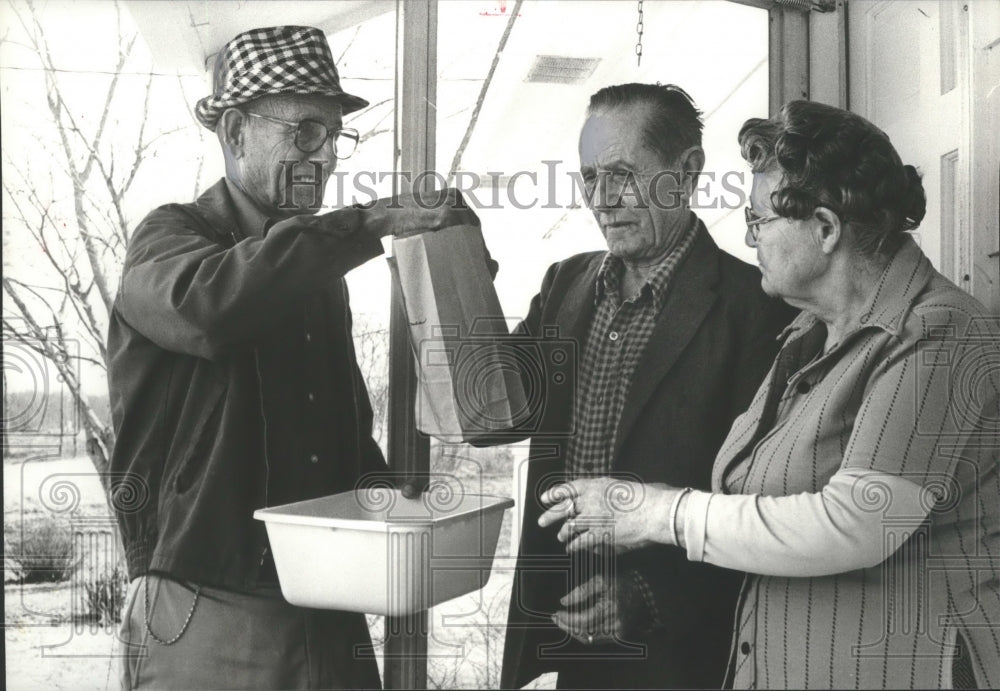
<point x="558" y="69"/>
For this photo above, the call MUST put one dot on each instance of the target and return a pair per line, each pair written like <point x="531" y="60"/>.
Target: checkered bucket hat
<point x="273" y="60"/>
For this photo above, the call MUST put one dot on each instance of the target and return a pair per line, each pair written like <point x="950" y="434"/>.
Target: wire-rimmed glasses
<point x="311" y="135"/>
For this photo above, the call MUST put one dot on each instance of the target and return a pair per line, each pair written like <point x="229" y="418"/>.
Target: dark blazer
<point x="714" y="342"/>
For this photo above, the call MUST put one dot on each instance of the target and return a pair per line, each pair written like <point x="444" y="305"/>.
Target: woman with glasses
<point x="860" y="489"/>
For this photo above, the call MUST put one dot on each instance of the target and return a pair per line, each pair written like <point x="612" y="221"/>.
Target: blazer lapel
<point x="571" y="317"/>
<point x="577" y="310"/>
<point x="691" y="295"/>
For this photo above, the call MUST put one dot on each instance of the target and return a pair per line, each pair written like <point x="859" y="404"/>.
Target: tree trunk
<point x="100" y="444"/>
<point x="6" y="414"/>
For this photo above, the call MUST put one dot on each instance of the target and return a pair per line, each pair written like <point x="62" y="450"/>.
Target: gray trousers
<point x="238" y="641"/>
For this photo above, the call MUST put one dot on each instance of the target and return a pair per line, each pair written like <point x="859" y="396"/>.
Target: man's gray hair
<point x="673" y="123"/>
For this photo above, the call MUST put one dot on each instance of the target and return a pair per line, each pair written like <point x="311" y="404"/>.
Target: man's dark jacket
<point x="712" y="345"/>
<point x="205" y="310"/>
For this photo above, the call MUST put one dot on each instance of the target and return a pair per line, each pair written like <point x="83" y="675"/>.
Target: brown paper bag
<point x="465" y="389"/>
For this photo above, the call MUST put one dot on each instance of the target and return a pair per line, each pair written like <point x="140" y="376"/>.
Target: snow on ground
<point x="45" y="650"/>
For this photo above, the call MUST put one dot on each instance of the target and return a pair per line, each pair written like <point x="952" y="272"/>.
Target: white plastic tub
<point x="374" y="551"/>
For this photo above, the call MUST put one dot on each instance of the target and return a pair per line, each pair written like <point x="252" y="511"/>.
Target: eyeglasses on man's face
<point x="754" y="222"/>
<point x="311" y="135"/>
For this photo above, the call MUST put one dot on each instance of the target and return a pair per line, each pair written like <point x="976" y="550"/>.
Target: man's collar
<point x="613" y="269"/>
<point x="251" y="220"/>
<point x="903" y="278"/>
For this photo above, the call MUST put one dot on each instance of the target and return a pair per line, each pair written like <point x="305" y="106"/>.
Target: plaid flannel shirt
<point x="616" y="341"/>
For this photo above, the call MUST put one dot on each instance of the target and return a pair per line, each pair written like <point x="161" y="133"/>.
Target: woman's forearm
<point x="808" y="534"/>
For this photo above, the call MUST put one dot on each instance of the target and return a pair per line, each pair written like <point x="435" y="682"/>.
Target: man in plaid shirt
<point x="673" y="337"/>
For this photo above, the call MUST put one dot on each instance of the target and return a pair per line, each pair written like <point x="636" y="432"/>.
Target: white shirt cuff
<point x="695" y="522"/>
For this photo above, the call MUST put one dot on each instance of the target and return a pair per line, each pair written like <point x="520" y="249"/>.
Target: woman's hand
<point x="608" y="511"/>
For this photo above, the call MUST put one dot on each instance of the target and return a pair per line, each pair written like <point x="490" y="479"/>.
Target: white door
<point x="910" y="65"/>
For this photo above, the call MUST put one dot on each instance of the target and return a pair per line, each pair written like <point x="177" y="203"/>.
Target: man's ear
<point x="829" y="229"/>
<point x="692" y="162"/>
<point x="231" y="131"/>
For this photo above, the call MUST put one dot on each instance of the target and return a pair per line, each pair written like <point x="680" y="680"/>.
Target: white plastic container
<point x="374" y="551"/>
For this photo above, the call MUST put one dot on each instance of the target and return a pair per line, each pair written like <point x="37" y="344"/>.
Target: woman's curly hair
<point x="837" y="159"/>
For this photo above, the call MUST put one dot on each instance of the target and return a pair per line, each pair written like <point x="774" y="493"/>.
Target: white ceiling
<point x="184" y="37"/>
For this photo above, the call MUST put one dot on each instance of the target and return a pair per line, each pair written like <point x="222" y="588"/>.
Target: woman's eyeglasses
<point x="311" y="135"/>
<point x="754" y="222"/>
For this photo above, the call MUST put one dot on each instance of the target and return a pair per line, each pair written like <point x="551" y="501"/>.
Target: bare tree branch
<point x="456" y="161"/>
<point x="140" y="144"/>
<point x="372" y="107"/>
<point x="63" y="115"/>
<point x="57" y="315"/>
<point x="100" y="436"/>
<point x="350" y="43"/>
<point x="201" y="138"/>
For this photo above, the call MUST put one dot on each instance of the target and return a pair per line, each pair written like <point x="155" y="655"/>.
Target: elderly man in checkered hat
<point x="234" y="382"/>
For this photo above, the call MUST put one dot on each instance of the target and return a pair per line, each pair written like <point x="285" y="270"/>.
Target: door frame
<point x="808" y="58"/>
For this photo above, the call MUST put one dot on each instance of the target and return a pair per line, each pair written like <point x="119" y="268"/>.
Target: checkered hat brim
<point x="273" y="60"/>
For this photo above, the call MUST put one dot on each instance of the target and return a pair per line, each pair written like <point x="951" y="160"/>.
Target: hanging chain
<point x="638" y="31"/>
<point x="149" y="629"/>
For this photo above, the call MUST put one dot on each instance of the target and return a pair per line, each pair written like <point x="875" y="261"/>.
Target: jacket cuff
<point x="648" y="600"/>
<point x="345" y="227"/>
<point x="349" y="223"/>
